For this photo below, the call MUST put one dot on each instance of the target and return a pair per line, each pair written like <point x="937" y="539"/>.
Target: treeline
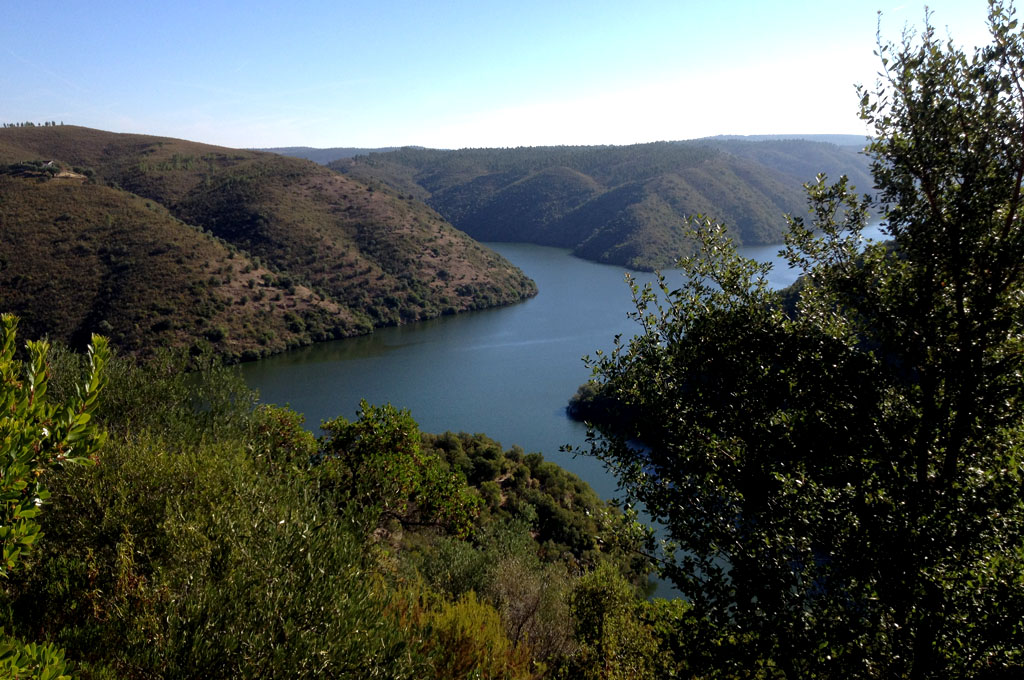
<point x="28" y="123"/>
<point x="324" y="156"/>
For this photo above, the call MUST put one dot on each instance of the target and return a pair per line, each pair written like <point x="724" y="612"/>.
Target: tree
<point x="614" y="642"/>
<point x="378" y="466"/>
<point x="839" y="465"/>
<point x="35" y="436"/>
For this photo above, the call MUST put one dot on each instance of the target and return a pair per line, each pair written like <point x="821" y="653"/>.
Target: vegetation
<point x="617" y="204"/>
<point x="28" y="123"/>
<point x="324" y="156"/>
<point x="219" y="538"/>
<point x="149" y="281"/>
<point x="243" y="253"/>
<point x="841" y="478"/>
<point x="837" y="466"/>
<point x="37" y="435"/>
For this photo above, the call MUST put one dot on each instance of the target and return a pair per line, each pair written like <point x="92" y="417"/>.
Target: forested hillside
<point x="158" y="241"/>
<point x="79" y="258"/>
<point x="619" y="204"/>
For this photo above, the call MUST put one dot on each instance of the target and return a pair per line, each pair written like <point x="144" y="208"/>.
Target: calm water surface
<point x="505" y="372"/>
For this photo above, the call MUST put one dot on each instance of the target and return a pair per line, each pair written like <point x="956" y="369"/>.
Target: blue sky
<point x="451" y="74"/>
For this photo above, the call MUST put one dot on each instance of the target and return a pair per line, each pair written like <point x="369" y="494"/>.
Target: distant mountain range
<point x="326" y="156"/>
<point x="625" y="205"/>
<point x="156" y="241"/>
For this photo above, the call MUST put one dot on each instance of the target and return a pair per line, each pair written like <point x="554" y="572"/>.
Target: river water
<point x="506" y="372"/>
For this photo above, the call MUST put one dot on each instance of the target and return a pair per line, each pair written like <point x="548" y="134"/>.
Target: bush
<point x="200" y="549"/>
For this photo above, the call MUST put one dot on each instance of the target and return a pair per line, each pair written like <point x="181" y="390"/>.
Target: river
<point x="505" y="372"/>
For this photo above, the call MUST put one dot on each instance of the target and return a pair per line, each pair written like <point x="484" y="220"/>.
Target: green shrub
<point x="197" y="549"/>
<point x="215" y="334"/>
<point x="37" y="435"/>
<point x="465" y="638"/>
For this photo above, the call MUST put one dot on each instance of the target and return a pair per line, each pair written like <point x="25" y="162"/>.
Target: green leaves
<point x="837" y="463"/>
<point x="36" y="435"/>
<point x="30" y="660"/>
<point x="378" y="466"/>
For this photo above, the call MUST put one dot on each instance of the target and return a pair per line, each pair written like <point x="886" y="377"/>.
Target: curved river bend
<point x="506" y="372"/>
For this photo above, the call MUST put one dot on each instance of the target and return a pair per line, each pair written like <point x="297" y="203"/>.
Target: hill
<point x="164" y="241"/>
<point x="324" y="156"/>
<point x="803" y="158"/>
<point x="617" y="204"/>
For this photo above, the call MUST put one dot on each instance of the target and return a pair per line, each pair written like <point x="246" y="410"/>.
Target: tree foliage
<point x="840" y="466"/>
<point x="378" y="463"/>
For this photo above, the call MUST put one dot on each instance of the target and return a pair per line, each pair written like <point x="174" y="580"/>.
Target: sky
<point x="453" y="74"/>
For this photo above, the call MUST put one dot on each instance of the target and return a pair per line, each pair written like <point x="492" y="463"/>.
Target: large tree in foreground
<point x="840" y="466"/>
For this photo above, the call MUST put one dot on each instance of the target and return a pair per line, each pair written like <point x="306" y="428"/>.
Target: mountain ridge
<point x="625" y="205"/>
